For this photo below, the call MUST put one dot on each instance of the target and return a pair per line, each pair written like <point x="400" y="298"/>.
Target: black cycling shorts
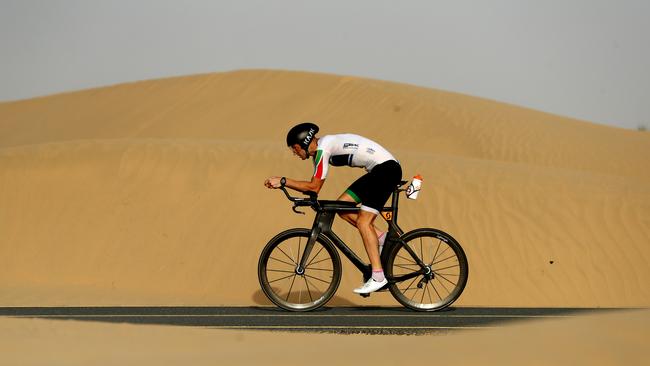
<point x="373" y="189"/>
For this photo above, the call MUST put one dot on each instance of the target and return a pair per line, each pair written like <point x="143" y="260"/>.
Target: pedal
<point x="364" y="295"/>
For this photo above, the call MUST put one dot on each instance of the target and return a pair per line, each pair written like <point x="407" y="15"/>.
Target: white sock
<point x="378" y="275"/>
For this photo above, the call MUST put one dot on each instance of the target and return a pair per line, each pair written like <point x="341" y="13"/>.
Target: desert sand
<point x="151" y="193"/>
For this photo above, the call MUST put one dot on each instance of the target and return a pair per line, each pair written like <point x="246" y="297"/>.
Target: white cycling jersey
<point x="348" y="149"/>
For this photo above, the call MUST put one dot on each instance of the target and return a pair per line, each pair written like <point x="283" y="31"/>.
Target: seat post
<point x="395" y="202"/>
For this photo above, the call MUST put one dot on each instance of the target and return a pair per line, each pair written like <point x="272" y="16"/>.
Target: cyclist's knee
<point x="365" y="219"/>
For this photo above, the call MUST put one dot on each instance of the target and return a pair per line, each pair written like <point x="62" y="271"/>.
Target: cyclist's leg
<point x="372" y="191"/>
<point x="352" y="217"/>
<point x="365" y="224"/>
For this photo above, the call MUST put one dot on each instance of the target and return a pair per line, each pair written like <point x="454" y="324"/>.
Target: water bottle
<point x="414" y="188"/>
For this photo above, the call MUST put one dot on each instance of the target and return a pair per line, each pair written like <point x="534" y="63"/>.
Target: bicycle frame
<point x="326" y="211"/>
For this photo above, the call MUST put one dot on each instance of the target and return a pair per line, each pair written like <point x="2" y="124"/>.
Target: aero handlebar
<point x="312" y="200"/>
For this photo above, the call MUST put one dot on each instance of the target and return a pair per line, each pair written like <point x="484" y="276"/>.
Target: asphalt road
<point x="372" y="320"/>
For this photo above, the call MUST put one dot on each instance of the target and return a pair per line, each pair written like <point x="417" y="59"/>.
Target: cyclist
<point x="371" y="190"/>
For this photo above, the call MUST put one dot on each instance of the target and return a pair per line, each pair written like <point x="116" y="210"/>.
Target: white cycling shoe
<point x="370" y="286"/>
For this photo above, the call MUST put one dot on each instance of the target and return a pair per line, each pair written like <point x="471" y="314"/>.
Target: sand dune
<point x="151" y="193"/>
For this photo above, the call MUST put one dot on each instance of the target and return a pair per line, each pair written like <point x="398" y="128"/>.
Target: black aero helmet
<point x="302" y="134"/>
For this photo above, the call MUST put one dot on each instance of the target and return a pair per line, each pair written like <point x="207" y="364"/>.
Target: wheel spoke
<point x="411" y="284"/>
<point x="442" y="269"/>
<point x="282" y="278"/>
<point x="421" y="249"/>
<point x="308" y="289"/>
<point x="447" y="274"/>
<point x="412" y="253"/>
<point x="429" y="292"/>
<point x="281" y="261"/>
<point x="446" y="279"/>
<point x="279" y="270"/>
<point x="403" y="266"/>
<point x="434" y="289"/>
<point x="287" y="255"/>
<point x="436" y="253"/>
<point x="441" y="253"/>
<point x="410" y="289"/>
<point x="414" y="293"/>
<point x="407" y="259"/>
<point x="316" y="289"/>
<point x="322" y="260"/>
<point x="321" y="269"/>
<point x="442" y="260"/>
<point x="317" y="279"/>
<point x="423" y="293"/>
<point x="290" y="288"/>
<point x="443" y="285"/>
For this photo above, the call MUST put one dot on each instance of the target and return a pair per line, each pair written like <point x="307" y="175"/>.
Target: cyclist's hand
<point x="273" y="182"/>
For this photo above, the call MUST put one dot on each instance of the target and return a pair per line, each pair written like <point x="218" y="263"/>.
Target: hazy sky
<point x="588" y="59"/>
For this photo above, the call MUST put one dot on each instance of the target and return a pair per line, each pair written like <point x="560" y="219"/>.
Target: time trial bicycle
<point x="300" y="269"/>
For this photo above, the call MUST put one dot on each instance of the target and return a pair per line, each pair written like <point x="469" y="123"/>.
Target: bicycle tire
<point x="449" y="272"/>
<point x="277" y="270"/>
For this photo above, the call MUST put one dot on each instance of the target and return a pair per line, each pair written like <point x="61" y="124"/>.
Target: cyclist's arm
<point x="314" y="185"/>
<point x="303" y="186"/>
<point x="320" y="172"/>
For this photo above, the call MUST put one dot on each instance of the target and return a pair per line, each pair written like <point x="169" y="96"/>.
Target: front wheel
<point x="427" y="270"/>
<point x="293" y="288"/>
